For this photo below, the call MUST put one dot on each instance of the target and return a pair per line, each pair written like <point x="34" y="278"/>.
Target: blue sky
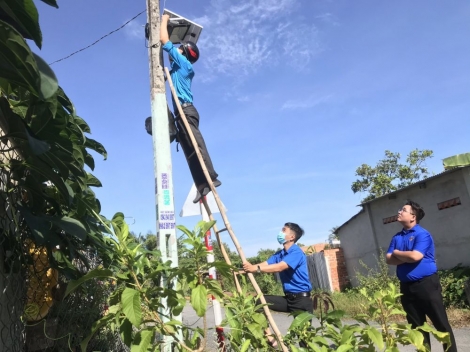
<point x="293" y="95"/>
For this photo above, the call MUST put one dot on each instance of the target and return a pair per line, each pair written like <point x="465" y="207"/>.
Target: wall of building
<point x="337" y="269"/>
<point x="364" y="234"/>
<point x="358" y="244"/>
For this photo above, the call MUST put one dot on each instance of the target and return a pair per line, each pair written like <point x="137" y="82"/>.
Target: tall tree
<point x="389" y="175"/>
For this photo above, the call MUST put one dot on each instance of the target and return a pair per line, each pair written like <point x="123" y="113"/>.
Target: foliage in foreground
<point x="149" y="298"/>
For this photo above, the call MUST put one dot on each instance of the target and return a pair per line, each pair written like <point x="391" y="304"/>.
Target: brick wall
<point x="337" y="265"/>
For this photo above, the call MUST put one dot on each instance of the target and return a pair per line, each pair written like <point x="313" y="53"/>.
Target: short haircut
<point x="418" y="211"/>
<point x="296" y="228"/>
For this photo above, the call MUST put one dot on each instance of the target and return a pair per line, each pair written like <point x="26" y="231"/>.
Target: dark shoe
<point x="199" y="195"/>
<point x="206" y="191"/>
<point x="216" y="183"/>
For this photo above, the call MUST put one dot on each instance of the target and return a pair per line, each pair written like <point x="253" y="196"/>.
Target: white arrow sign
<point x="191" y="209"/>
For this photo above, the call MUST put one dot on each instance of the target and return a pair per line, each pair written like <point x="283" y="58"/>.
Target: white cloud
<point x="329" y="19"/>
<point x="305" y="103"/>
<point x="241" y="37"/>
<point x="135" y="30"/>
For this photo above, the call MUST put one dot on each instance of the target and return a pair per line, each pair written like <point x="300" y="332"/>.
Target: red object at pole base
<point x="221" y="338"/>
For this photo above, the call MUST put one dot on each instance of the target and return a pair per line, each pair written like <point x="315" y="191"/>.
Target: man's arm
<point x="408" y="256"/>
<point x="164" y="37"/>
<point x="392" y="260"/>
<point x="265" y="267"/>
<point x="389" y="257"/>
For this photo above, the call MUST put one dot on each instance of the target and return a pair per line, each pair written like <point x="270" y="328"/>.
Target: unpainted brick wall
<point x="338" y="271"/>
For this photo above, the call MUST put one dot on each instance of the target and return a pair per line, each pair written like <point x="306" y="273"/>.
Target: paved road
<point x="283" y="322"/>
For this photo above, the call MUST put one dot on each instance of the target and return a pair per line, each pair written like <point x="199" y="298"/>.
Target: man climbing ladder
<point x="182" y="73"/>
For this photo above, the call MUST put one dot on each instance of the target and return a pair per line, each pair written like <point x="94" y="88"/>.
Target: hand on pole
<point x="249" y="268"/>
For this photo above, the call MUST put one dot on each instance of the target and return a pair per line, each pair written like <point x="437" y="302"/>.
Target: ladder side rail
<point x="222" y="212"/>
<point x="221" y="245"/>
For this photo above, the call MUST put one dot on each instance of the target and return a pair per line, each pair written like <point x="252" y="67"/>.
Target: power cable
<point x="76" y="52"/>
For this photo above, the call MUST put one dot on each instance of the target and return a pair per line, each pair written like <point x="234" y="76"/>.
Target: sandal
<point x="272" y="343"/>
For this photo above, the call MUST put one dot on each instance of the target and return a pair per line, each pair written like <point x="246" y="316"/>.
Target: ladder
<point x="228" y="227"/>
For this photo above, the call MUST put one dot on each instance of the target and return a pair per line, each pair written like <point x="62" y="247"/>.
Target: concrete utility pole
<point x="166" y="228"/>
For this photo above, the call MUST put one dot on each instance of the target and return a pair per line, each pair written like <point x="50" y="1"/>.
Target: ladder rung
<point x="222" y="230"/>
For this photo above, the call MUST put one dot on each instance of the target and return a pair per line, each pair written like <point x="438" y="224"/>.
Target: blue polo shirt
<point x="415" y="239"/>
<point x="295" y="278"/>
<point x="181" y="73"/>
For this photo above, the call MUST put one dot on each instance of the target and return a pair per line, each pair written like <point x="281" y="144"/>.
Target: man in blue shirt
<point x="182" y="73"/>
<point x="412" y="251"/>
<point x="291" y="264"/>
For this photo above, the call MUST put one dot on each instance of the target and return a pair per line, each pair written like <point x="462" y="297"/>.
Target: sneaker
<point x="216" y="183"/>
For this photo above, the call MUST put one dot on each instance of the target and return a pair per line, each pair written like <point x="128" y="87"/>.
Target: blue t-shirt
<point x="295" y="278"/>
<point x="181" y="73"/>
<point x="415" y="239"/>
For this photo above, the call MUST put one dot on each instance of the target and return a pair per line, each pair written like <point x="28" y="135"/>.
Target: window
<point x="449" y="203"/>
<point x="390" y="219"/>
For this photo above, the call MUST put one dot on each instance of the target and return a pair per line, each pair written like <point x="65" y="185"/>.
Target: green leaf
<point x="17" y="64"/>
<point x="91" y="180"/>
<point x="92" y="274"/>
<point x="301" y="319"/>
<point x="142" y="341"/>
<point x="376" y="337"/>
<point x="52" y="3"/>
<point x="245" y="345"/>
<point x="416" y="338"/>
<point x="344" y="348"/>
<point x="70" y="226"/>
<point x="37" y="146"/>
<point x="23" y="16"/>
<point x="48" y="79"/>
<point x="199" y="300"/>
<point x="130" y="300"/>
<point x="125" y="331"/>
<point x="96" y="146"/>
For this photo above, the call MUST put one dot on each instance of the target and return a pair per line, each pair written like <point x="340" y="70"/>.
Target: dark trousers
<point x="285" y="304"/>
<point x="424" y="298"/>
<point x="288" y="304"/>
<point x="183" y="138"/>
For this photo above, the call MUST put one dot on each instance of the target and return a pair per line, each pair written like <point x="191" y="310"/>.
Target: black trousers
<point x="424" y="298"/>
<point x="286" y="304"/>
<point x="183" y="137"/>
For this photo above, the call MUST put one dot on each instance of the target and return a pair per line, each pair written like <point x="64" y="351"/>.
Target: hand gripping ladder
<point x="228" y="227"/>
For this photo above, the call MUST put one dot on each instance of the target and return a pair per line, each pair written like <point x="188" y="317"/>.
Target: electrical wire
<point x="114" y="31"/>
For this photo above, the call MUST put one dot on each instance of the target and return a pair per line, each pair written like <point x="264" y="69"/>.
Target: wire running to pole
<point x="114" y="31"/>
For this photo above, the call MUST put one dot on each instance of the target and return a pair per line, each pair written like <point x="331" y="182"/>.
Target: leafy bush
<point x="376" y="279"/>
<point x="333" y="335"/>
<point x="453" y="286"/>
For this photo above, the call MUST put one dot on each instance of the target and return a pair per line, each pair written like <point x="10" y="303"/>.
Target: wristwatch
<point x="259" y="270"/>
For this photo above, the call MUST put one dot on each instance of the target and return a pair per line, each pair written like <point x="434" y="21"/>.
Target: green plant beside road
<point x="149" y="295"/>
<point x="334" y="335"/>
<point x="453" y="286"/>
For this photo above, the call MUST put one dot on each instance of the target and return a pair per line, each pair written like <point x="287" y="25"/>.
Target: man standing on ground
<point x="412" y="251"/>
<point x="291" y="264"/>
<point x="182" y="73"/>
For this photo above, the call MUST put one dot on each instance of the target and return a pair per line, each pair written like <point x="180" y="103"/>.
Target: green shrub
<point x="376" y="279"/>
<point x="453" y="286"/>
